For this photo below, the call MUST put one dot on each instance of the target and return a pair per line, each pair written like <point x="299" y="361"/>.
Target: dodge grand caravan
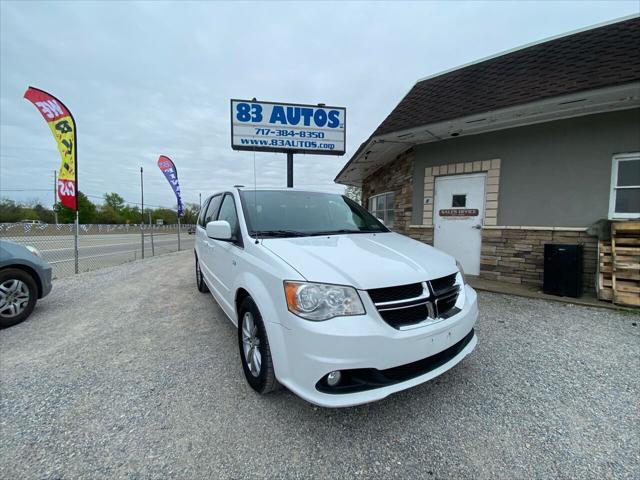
<point x="327" y="300"/>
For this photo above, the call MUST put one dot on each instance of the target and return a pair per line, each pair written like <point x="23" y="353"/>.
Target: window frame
<point x="464" y="198"/>
<point x="236" y="236"/>
<point x="613" y="187"/>
<point x="215" y="214"/>
<point x="385" y="220"/>
<point x="203" y="212"/>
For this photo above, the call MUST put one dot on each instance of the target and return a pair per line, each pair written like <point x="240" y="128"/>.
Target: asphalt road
<point x="98" y="251"/>
<point x="129" y="372"/>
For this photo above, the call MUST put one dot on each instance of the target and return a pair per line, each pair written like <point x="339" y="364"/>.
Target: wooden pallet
<point x="625" y="263"/>
<point x="605" y="269"/>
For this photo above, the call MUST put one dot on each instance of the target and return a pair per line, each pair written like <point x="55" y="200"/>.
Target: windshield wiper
<point x="278" y="233"/>
<point x="343" y="231"/>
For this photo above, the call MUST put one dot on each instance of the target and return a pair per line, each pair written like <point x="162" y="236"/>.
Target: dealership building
<point x="492" y="160"/>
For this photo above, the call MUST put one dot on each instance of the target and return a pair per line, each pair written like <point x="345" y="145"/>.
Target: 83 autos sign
<point x="286" y="127"/>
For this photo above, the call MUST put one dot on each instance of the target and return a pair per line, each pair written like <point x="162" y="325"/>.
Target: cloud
<point x="145" y="79"/>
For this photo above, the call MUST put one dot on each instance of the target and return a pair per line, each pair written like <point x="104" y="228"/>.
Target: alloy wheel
<point x="251" y="344"/>
<point x="14" y="297"/>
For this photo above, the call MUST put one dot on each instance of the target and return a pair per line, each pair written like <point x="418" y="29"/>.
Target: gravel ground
<point x="129" y="372"/>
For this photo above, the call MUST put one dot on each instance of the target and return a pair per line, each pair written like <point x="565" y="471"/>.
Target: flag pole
<point x="55" y="196"/>
<point x="142" y="211"/>
<point x="75" y="243"/>
<point x="77" y="192"/>
<point x="178" y="232"/>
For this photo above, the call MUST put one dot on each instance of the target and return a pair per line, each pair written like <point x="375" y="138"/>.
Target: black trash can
<point x="562" y="269"/>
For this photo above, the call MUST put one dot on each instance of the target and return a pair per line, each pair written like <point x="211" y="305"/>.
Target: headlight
<point x="33" y="250"/>
<point x="459" y="265"/>
<point x="321" y="301"/>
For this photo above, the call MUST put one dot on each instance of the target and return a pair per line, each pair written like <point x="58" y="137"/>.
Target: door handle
<point x="477" y="227"/>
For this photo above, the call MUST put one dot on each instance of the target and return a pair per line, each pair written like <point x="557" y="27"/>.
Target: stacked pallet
<point x="605" y="270"/>
<point x="619" y="265"/>
<point x="625" y="250"/>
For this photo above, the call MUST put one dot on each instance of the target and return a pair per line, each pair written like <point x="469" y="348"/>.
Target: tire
<point x="265" y="380"/>
<point x="202" y="287"/>
<point x="18" y="296"/>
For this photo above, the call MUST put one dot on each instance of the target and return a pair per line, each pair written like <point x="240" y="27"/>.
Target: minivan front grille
<point x="392" y="294"/>
<point x="440" y="286"/>
<point x="405" y="306"/>
<point x="406" y="316"/>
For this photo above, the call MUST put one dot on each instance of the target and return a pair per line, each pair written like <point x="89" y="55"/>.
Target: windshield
<point x="293" y="213"/>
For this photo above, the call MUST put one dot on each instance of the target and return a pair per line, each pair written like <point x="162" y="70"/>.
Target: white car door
<point x="206" y="244"/>
<point x="224" y="255"/>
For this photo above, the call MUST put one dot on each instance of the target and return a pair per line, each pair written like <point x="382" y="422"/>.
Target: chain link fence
<point x="99" y="246"/>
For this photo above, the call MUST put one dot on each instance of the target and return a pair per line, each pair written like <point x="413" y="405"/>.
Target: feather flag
<point x="63" y="128"/>
<point x="167" y="167"/>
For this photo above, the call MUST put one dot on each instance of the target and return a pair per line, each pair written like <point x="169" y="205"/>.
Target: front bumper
<point x="310" y="350"/>
<point x="46" y="274"/>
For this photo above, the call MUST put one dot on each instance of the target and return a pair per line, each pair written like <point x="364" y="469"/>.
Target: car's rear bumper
<point x="365" y="344"/>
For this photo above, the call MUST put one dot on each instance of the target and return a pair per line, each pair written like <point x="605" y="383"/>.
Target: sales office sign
<point x="287" y="127"/>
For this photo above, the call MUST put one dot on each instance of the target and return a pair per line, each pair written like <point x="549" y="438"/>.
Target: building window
<point x="381" y="206"/>
<point x="624" y="201"/>
<point x="459" y="200"/>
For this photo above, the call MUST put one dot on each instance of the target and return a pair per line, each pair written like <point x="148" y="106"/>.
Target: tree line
<point x="114" y="210"/>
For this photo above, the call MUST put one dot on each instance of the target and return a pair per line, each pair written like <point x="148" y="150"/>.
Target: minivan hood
<point x="362" y="260"/>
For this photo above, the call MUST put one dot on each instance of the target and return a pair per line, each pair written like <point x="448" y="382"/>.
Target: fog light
<point x="334" y="378"/>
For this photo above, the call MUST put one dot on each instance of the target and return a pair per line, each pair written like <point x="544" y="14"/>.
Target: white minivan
<point x="327" y="300"/>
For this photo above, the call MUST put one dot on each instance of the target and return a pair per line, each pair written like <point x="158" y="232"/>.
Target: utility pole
<point x="55" y="196"/>
<point x="142" y="211"/>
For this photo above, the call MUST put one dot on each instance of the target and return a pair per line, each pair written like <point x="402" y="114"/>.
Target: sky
<point x="150" y="78"/>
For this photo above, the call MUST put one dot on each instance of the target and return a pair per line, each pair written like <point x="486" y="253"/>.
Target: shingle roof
<point x="600" y="57"/>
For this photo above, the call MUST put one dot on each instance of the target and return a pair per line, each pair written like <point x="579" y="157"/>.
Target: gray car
<point x="24" y="278"/>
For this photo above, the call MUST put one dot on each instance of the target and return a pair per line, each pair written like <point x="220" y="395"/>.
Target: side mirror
<point x="219" y="230"/>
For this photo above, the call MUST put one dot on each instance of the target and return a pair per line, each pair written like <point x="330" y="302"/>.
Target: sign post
<point x="288" y="128"/>
<point x="289" y="169"/>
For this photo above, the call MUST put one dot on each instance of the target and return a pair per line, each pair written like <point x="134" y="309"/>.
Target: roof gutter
<point x="615" y="98"/>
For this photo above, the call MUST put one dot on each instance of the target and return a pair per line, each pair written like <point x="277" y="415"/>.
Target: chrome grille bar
<point x="437" y="302"/>
<point x="424" y="295"/>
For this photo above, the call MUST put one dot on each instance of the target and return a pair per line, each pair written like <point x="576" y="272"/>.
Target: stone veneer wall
<point x="397" y="177"/>
<point x="394" y="177"/>
<point x="421" y="233"/>
<point x="516" y="254"/>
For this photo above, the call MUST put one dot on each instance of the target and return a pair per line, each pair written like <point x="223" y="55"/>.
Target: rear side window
<point x="212" y="210"/>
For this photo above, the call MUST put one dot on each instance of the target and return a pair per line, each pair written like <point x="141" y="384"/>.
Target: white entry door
<point x="458" y="210"/>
